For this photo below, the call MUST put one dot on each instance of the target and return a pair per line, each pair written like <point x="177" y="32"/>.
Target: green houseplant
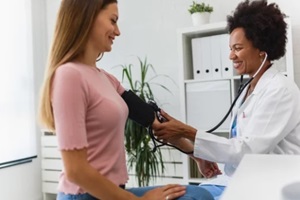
<point x="200" y="7"/>
<point x="200" y="13"/>
<point x="138" y="143"/>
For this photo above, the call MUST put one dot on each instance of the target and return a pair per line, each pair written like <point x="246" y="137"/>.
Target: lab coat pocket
<point x="243" y="120"/>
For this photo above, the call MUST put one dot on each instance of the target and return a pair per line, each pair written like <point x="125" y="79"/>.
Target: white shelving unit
<point x="206" y="92"/>
<point x="51" y="165"/>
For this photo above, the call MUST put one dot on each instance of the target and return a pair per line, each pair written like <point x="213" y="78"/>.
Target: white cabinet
<point x="206" y="103"/>
<point x="51" y="165"/>
<point x="208" y="83"/>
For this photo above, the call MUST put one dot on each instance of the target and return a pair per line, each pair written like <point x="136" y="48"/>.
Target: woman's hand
<point x="171" y="191"/>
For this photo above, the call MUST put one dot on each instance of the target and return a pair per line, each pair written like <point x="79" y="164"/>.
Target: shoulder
<point x="273" y="80"/>
<point x="110" y="76"/>
<point x="114" y="81"/>
<point x="68" y="74"/>
<point x="284" y="83"/>
<point x="280" y="88"/>
<point x="68" y="69"/>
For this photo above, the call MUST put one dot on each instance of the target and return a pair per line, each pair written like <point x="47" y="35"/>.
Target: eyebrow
<point x="234" y="46"/>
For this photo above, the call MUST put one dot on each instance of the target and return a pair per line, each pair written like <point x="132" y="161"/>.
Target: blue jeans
<point x="192" y="193"/>
<point x="215" y="190"/>
<point x="85" y="196"/>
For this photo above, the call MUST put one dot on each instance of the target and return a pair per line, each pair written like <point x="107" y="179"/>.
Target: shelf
<point x="204" y="30"/>
<point x="205" y="80"/>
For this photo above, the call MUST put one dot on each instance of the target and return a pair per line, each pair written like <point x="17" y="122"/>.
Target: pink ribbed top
<point x="89" y="112"/>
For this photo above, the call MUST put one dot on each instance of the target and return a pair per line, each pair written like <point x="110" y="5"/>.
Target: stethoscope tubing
<point x="241" y="89"/>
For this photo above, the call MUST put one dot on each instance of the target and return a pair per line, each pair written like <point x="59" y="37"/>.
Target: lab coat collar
<point x="265" y="79"/>
<point x="261" y="84"/>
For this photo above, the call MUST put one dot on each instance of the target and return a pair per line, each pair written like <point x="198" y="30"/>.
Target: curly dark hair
<point x="263" y="24"/>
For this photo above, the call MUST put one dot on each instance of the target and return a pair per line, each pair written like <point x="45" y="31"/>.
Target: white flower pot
<point x="200" y="18"/>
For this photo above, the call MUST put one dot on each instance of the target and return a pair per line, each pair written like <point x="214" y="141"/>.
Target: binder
<point x="206" y="57"/>
<point x="198" y="71"/>
<point x="226" y="63"/>
<point x="215" y="56"/>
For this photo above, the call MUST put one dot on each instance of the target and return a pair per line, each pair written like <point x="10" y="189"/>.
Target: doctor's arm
<point x="181" y="136"/>
<point x="260" y="128"/>
<point x="174" y="130"/>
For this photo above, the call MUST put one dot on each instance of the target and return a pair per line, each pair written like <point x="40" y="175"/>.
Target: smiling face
<point x="246" y="58"/>
<point x="105" y="29"/>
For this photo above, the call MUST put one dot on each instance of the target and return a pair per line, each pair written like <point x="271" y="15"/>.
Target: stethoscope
<point x="240" y="91"/>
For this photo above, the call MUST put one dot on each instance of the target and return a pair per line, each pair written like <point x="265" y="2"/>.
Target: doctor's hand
<point x="173" y="129"/>
<point x="207" y="168"/>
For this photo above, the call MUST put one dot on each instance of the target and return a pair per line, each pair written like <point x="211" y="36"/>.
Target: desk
<point x="261" y="177"/>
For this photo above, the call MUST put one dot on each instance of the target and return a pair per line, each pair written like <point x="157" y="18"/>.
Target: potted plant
<point x="200" y="13"/>
<point x="138" y="143"/>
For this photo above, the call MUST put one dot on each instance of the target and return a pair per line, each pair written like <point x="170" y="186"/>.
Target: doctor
<point x="266" y="116"/>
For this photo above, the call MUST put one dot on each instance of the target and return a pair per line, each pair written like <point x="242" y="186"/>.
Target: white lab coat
<point x="268" y="122"/>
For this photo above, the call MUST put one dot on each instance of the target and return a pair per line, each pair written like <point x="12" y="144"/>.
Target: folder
<point x="226" y="63"/>
<point x="215" y="56"/>
<point x="198" y="71"/>
<point x="206" y="56"/>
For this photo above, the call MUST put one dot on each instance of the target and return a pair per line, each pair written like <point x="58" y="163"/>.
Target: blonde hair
<point x="73" y="24"/>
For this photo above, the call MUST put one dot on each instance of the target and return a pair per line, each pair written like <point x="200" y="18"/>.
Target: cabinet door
<point x="207" y="102"/>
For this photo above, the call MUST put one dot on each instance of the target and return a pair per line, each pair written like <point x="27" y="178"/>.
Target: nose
<point x="117" y="31"/>
<point x="232" y="54"/>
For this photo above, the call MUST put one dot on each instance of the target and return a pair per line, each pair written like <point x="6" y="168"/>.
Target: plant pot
<point x="200" y="18"/>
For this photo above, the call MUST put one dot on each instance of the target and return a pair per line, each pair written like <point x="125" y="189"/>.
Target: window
<point x="17" y="114"/>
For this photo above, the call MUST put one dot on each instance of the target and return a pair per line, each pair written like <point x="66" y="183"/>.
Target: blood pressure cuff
<point x="139" y="111"/>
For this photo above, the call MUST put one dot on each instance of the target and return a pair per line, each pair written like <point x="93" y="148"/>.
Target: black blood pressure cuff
<point x="139" y="111"/>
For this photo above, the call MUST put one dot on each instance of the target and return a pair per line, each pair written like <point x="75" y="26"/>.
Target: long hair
<point x="73" y="24"/>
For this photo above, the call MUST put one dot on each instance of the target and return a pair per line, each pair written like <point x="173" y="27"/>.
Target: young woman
<point x="83" y="106"/>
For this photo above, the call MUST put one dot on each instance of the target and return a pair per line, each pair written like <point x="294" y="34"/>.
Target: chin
<point x="108" y="49"/>
<point x="238" y="72"/>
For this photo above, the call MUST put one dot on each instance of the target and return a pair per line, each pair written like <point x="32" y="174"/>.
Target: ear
<point x="262" y="53"/>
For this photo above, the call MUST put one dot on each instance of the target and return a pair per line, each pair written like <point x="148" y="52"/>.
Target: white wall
<point x="23" y="182"/>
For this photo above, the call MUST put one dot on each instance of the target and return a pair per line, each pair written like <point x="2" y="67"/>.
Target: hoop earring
<point x="99" y="57"/>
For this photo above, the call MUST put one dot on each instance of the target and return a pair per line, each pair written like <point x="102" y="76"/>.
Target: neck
<point x="87" y="61"/>
<point x="88" y="57"/>
<point x="253" y="83"/>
